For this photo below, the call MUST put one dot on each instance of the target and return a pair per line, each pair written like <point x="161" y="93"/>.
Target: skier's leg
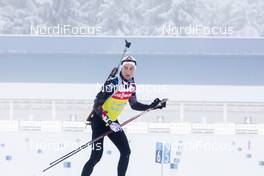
<point x="121" y="142"/>
<point x="95" y="157"/>
<point x="98" y="128"/>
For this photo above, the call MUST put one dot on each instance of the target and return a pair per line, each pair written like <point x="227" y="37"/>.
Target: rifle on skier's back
<point x="112" y="74"/>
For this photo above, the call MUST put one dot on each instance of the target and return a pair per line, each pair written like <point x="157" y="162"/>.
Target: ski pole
<point x="52" y="164"/>
<point x="106" y="133"/>
<point x="92" y="141"/>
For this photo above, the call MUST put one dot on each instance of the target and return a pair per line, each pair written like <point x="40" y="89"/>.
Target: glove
<point x="105" y="118"/>
<point x="157" y="105"/>
<point x="115" y="127"/>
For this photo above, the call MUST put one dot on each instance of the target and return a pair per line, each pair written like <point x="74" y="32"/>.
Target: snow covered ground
<point x="135" y="17"/>
<point x="28" y="153"/>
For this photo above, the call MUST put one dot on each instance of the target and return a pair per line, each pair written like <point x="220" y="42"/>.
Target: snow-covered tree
<point x="134" y="17"/>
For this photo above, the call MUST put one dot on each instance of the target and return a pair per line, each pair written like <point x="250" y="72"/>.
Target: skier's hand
<point x="115" y="127"/>
<point x="105" y="118"/>
<point x="156" y="104"/>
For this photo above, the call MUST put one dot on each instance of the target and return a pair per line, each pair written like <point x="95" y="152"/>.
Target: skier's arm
<point x="142" y="107"/>
<point x="106" y="91"/>
<point x="134" y="104"/>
